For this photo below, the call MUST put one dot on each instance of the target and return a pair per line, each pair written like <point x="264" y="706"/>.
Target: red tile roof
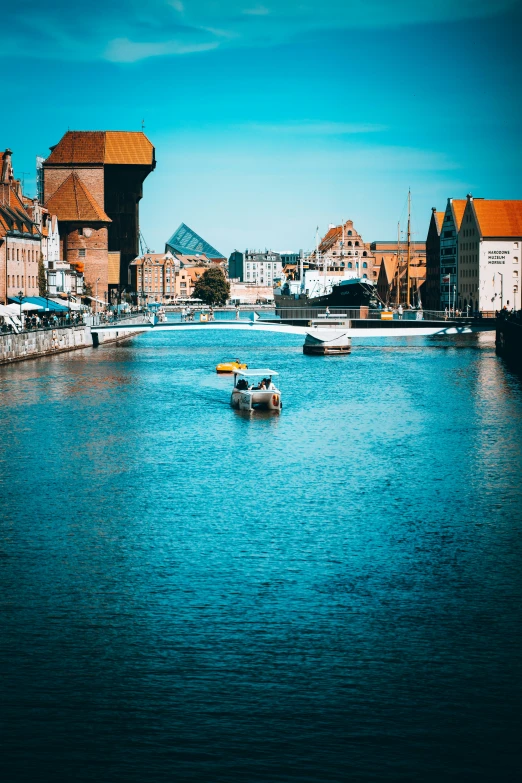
<point x="100" y="147"/>
<point x="499" y="218"/>
<point x="73" y="202"/>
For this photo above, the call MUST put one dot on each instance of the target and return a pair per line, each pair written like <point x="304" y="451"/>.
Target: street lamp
<point x="21" y="298"/>
<point x="96" y="296"/>
<point x="501" y="290"/>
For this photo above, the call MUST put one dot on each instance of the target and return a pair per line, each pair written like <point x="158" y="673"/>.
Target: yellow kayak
<point x="231" y="366"/>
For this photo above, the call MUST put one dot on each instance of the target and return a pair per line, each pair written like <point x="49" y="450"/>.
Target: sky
<point x="273" y="118"/>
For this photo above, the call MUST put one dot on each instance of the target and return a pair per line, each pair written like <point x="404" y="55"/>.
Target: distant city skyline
<point x="269" y="121"/>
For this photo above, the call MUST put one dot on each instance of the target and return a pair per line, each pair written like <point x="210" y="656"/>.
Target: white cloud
<point x="307" y="128"/>
<point x="258" y="11"/>
<point x="122" y="50"/>
<point x="128" y="30"/>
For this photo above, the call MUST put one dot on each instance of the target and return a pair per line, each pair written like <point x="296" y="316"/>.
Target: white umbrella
<point x="26" y="306"/>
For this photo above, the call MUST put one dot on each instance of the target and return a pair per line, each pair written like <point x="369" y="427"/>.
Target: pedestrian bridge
<point x="358" y="328"/>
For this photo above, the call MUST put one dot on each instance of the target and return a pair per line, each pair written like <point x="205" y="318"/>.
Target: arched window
<point x="365" y="265"/>
<point x="365" y="253"/>
<point x="356" y="244"/>
<point x="349" y="264"/>
<point x="349" y="244"/>
<point x="349" y="233"/>
<point x="365" y="275"/>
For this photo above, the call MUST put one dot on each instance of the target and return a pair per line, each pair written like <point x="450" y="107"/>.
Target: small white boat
<point x="255" y="389"/>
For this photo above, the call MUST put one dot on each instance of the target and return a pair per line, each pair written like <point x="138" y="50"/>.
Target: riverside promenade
<point x="49" y="340"/>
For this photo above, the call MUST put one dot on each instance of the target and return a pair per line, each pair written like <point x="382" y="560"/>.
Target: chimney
<point x="7" y="168"/>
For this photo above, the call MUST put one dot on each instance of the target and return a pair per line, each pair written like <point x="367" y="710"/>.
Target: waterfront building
<point x="489" y="245"/>
<point x="93" y="182"/>
<point x="432" y="286"/>
<point x="164" y="277"/>
<point x="262" y="267"/>
<point x="389" y="279"/>
<point x="153" y="276"/>
<point x="250" y="293"/>
<point x="390" y="255"/>
<point x="236" y="269"/>
<point x="185" y="242"/>
<point x="449" y="256"/>
<point x="64" y="280"/>
<point x="342" y="248"/>
<point x="20" y="238"/>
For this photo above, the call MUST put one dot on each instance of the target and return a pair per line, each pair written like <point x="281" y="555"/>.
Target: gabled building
<point x="386" y="254"/>
<point x="489" y="245"/>
<point x="20" y="238"/>
<point x="343" y="248"/>
<point x="449" y="256"/>
<point x="104" y="172"/>
<point x="433" y="282"/>
<point x="84" y="231"/>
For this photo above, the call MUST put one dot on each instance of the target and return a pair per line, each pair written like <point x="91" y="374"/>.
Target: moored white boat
<point x="247" y="395"/>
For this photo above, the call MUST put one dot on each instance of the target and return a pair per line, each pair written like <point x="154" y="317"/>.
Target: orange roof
<point x="439" y="217"/>
<point x="99" y="147"/>
<point x="389" y="267"/>
<point x="330" y="237"/>
<point x="73" y="202"/>
<point x="459" y="205"/>
<point x="499" y="218"/>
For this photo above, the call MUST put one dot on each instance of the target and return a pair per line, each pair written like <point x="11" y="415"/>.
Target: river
<point x="192" y="594"/>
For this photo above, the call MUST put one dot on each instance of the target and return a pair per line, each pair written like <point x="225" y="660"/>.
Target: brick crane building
<point x="93" y="183"/>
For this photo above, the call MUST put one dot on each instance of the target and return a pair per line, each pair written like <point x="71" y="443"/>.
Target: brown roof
<point x="99" y="147"/>
<point x="499" y="218"/>
<point x="73" y="202"/>
<point x="148" y="258"/>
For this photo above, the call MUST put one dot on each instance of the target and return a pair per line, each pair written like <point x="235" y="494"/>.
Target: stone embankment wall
<point x="29" y="345"/>
<point x="509" y="340"/>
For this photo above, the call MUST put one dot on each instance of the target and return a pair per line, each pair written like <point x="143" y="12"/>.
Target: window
<point x="349" y="233"/>
<point x="349" y="264"/>
<point x="365" y="265"/>
<point x="356" y="244"/>
<point x="81" y="252"/>
<point x="80" y="231"/>
<point x="365" y="253"/>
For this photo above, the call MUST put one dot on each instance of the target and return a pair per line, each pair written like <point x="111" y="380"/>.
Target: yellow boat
<point x="231" y="366"/>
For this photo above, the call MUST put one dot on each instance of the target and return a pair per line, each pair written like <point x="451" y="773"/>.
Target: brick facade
<point x="88" y="245"/>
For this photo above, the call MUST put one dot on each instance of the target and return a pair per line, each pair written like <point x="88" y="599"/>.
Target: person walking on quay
<point x="237" y="312"/>
<point x="400" y="311"/>
<point x="327" y="311"/>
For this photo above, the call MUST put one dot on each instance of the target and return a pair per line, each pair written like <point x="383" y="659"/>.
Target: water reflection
<point x="328" y="593"/>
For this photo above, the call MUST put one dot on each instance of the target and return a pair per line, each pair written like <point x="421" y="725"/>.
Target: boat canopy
<point x="253" y="373"/>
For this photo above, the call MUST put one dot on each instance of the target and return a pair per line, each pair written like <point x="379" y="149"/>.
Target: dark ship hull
<point x="348" y="295"/>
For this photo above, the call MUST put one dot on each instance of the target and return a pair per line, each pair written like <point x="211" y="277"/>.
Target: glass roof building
<point x="186" y="242"/>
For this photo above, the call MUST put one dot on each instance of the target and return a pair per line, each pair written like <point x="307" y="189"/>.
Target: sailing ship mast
<point x="409" y="251"/>
<point x="398" y="287"/>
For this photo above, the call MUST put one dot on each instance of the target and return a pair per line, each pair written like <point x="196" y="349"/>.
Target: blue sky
<point x="272" y="118"/>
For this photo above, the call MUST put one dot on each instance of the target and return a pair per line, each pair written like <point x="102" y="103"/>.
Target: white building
<point x="262" y="268"/>
<point x="489" y="244"/>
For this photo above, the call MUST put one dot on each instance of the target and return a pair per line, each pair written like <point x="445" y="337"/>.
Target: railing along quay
<point x="51" y="324"/>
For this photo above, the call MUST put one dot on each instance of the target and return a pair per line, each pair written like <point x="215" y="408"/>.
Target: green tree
<point x="212" y="287"/>
<point x="42" y="277"/>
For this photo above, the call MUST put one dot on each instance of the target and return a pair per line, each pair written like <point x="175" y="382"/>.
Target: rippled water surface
<point x="331" y="594"/>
